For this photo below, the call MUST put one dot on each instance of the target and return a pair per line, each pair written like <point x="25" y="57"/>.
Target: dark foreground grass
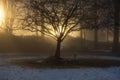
<point x="66" y="63"/>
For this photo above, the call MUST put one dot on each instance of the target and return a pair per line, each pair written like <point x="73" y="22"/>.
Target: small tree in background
<point x="116" y="27"/>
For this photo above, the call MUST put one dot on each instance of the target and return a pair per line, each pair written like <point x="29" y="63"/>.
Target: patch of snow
<point x="18" y="73"/>
<point x="8" y="72"/>
<point x="93" y="57"/>
<point x="99" y="57"/>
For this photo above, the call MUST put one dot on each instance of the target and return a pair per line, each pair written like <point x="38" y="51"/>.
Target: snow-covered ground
<point x="10" y="72"/>
<point x="18" y="73"/>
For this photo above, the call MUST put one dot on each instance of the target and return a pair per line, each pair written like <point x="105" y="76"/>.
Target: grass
<point x="65" y="63"/>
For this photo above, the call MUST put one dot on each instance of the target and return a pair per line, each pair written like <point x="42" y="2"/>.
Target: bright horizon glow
<point x="2" y="15"/>
<point x="74" y="34"/>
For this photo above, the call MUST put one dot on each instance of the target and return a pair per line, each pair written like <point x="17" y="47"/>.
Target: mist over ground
<point x="32" y="45"/>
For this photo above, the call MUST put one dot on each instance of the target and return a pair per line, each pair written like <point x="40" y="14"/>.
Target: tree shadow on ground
<point x="65" y="63"/>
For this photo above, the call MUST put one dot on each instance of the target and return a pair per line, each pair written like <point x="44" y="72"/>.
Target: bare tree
<point x="59" y="17"/>
<point x="116" y="4"/>
<point x="96" y="17"/>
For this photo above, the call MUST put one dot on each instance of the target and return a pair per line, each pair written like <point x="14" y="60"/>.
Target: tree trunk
<point x="81" y="34"/>
<point x="96" y="26"/>
<point x="42" y="34"/>
<point x="81" y="39"/>
<point x="57" y="53"/>
<point x="84" y="37"/>
<point x="95" y="38"/>
<point x="107" y="36"/>
<point x="115" y="47"/>
<point x="36" y="32"/>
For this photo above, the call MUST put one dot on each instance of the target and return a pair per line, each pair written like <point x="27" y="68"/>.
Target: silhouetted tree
<point x="96" y="17"/>
<point x="60" y="17"/>
<point x="116" y="4"/>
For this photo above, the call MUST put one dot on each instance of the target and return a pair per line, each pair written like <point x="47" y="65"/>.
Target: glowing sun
<point x="2" y="15"/>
